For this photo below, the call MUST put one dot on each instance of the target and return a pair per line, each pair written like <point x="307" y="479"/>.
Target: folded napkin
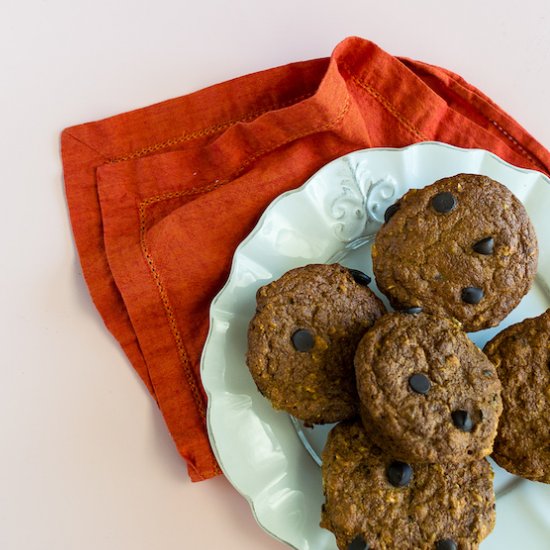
<point x="160" y="197"/>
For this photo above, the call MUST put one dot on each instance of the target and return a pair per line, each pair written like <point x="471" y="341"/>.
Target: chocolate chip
<point x="360" y="278"/>
<point x="303" y="340"/>
<point x="420" y="383"/>
<point x="444" y="202"/>
<point x="472" y="295"/>
<point x="390" y="211"/>
<point x="399" y="473"/>
<point x="485" y="246"/>
<point x="358" y="543"/>
<point x="462" y="420"/>
<point x="446" y="544"/>
<point x="412" y="310"/>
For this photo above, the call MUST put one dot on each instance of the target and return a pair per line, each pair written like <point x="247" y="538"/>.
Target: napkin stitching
<point x="182" y="354"/>
<point x="386" y="104"/>
<point x="206" y="131"/>
<point x="219" y="183"/>
<point x="172" y="321"/>
<point x="417" y="132"/>
<point x="515" y="142"/>
<point x="456" y="83"/>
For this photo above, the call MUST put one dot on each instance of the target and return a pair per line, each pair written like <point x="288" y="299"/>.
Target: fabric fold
<point x="160" y="197"/>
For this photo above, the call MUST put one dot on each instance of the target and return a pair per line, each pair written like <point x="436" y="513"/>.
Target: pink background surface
<point x="86" y="461"/>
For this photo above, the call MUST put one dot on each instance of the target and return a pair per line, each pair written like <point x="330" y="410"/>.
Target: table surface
<point x="86" y="460"/>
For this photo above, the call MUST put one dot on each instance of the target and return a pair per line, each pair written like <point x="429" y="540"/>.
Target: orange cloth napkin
<point x="160" y="197"/>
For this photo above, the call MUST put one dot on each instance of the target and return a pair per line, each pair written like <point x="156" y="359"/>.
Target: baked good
<point x="303" y="337"/>
<point x="427" y="392"/>
<point x="376" y="501"/>
<point x="521" y="354"/>
<point x="463" y="247"/>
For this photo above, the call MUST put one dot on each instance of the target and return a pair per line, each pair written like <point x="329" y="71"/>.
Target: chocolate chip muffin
<point x="377" y="502"/>
<point x="463" y="247"/>
<point x="521" y="354"/>
<point x="303" y="337"/>
<point x="427" y="392"/>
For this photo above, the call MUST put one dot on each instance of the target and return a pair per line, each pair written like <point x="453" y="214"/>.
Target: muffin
<point x="427" y="392"/>
<point x="302" y="340"/>
<point x="375" y="501"/>
<point x="521" y="354"/>
<point x="463" y="247"/>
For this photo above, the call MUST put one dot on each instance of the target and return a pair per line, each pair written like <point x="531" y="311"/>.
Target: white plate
<point x="333" y="217"/>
